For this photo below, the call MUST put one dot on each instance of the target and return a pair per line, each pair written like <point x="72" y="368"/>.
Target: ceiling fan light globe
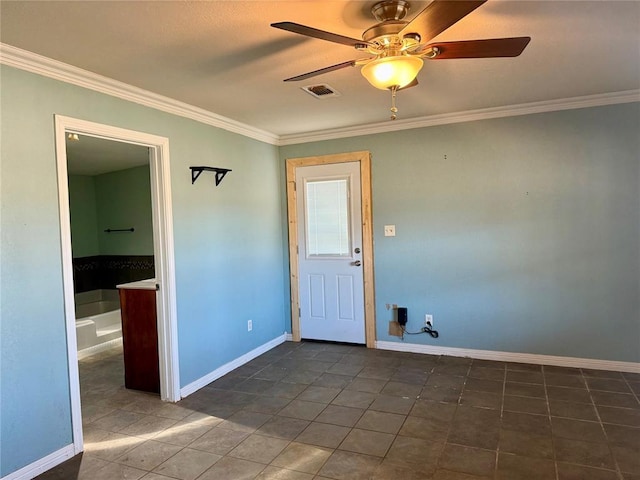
<point x="396" y="71"/>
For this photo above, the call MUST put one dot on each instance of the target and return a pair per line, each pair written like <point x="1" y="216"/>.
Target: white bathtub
<point x="98" y="319"/>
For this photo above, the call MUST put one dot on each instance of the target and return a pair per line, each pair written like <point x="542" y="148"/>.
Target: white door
<point x="330" y="252"/>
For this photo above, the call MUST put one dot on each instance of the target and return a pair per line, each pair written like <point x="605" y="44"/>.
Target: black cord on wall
<point x="427" y="330"/>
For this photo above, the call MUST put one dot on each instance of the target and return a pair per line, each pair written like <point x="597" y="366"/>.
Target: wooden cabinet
<point x="140" y="339"/>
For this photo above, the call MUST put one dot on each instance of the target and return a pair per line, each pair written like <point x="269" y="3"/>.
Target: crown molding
<point x="34" y="63"/>
<point x="47" y="67"/>
<point x="599" y="100"/>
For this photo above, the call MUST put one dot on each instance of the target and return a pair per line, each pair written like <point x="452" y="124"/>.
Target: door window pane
<point x="327" y="215"/>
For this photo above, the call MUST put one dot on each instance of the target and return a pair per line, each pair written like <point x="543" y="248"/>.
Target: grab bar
<point x="109" y="230"/>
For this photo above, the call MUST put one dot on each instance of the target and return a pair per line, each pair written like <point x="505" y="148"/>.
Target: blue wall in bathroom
<point x="228" y="252"/>
<point x="119" y="199"/>
<point x="115" y="200"/>
<point x="123" y="200"/>
<point x="83" y="215"/>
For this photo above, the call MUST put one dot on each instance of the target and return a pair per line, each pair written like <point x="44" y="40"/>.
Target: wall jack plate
<point x="428" y="320"/>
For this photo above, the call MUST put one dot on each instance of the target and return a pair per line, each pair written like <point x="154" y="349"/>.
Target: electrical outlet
<point x="249" y="325"/>
<point x="428" y="320"/>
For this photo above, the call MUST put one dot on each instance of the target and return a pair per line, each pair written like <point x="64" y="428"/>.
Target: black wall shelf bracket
<point x="220" y="173"/>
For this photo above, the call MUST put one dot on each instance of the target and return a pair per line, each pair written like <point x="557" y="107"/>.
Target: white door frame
<point x="163" y="253"/>
<point x="367" y="237"/>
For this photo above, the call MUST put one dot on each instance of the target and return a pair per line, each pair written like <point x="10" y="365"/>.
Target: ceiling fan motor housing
<point x="390" y="10"/>
<point x="385" y="34"/>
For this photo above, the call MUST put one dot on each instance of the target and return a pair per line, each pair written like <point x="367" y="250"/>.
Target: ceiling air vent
<point x="321" y="91"/>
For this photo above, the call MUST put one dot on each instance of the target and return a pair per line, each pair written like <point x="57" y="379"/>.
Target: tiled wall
<point x="107" y="271"/>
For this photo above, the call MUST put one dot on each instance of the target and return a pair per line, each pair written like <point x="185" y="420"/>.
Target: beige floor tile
<point x="171" y="410"/>
<point x="202" y="418"/>
<point x="516" y="467"/>
<point x="116" y="471"/>
<point x="302" y="409"/>
<point x="283" y="427"/>
<point x="302" y="457"/>
<point x="112" y="446"/>
<point x="187" y="464"/>
<point x="339" y="415"/>
<point x="148" y="455"/>
<point x="350" y="466"/>
<point x="156" y="476"/>
<point x="469" y="460"/>
<point x="389" y="471"/>
<point x="258" y="448"/>
<point x="182" y="433"/>
<point x="319" y="394"/>
<point x="219" y="440"/>
<point x="323" y="435"/>
<point x="367" y="442"/>
<point x="275" y="473"/>
<point x="147" y="405"/>
<point x="232" y="468"/>
<point x="148" y="427"/>
<point x="117" y="420"/>
<point x="381" y="421"/>
<point x="245" y="421"/>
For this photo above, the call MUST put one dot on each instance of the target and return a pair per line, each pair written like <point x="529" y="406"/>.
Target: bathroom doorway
<point x="152" y="156"/>
<point x="111" y="232"/>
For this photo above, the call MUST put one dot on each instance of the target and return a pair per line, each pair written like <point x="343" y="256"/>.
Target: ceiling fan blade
<point x="332" y="68"/>
<point x="321" y="34"/>
<point x="494" y="47"/>
<point x="438" y="16"/>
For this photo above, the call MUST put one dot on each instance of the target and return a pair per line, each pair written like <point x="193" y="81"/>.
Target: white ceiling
<point x="95" y="156"/>
<point x="224" y="57"/>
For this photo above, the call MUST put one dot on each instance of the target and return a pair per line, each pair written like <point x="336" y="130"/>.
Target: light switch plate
<point x="389" y="230"/>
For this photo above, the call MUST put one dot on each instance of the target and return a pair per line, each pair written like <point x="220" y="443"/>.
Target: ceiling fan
<point x="396" y="47"/>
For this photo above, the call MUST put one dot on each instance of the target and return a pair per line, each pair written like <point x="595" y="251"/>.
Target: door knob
<point x="357" y="263"/>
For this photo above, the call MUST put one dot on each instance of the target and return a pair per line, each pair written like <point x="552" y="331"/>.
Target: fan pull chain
<point x="393" y="109"/>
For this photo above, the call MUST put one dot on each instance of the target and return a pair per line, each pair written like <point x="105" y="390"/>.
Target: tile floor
<point x="306" y="411"/>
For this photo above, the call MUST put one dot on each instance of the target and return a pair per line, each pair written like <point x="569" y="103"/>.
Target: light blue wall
<point x="84" y="217"/>
<point x="518" y="234"/>
<point x="233" y="280"/>
<point x="120" y="199"/>
<point x="123" y="200"/>
<point x="228" y="252"/>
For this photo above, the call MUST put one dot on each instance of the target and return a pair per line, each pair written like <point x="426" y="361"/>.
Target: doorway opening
<point x="111" y="230"/>
<point x="156" y="150"/>
<point x="309" y="285"/>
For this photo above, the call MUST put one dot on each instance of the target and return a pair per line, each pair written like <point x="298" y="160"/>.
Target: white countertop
<point x="149" y="284"/>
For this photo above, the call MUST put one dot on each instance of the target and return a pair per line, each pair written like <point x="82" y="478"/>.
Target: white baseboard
<point x="288" y="337"/>
<point x="42" y="465"/>
<point x="101" y="347"/>
<point x="227" y="367"/>
<point x="512" y="357"/>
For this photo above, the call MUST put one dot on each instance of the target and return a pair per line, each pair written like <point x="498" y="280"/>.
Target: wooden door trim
<point x="364" y="158"/>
